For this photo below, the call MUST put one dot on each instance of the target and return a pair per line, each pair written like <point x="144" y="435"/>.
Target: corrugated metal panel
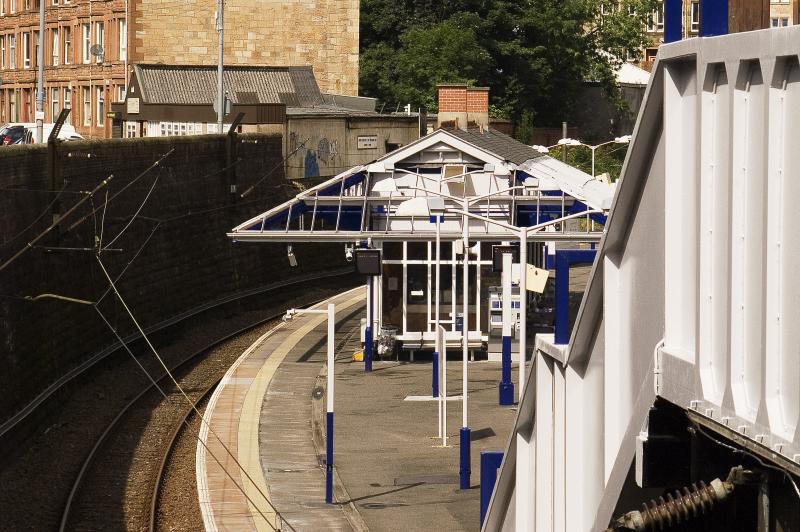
<point x="192" y="85"/>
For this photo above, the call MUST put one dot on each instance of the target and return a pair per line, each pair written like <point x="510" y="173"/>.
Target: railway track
<point x="124" y="472"/>
<point x="38" y="481"/>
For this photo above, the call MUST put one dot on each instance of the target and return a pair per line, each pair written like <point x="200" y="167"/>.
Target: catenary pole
<point x="220" y="68"/>
<point x="40" y="76"/>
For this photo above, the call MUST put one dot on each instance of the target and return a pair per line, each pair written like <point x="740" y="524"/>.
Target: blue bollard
<point x="490" y="462"/>
<point x="329" y="459"/>
<point x="506" y="386"/>
<point x="435" y="375"/>
<point x="368" y="349"/>
<point x="464" y="470"/>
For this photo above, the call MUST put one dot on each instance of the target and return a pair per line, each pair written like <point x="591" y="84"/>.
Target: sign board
<point x="536" y="278"/>
<point x="497" y="256"/>
<point x="367" y="142"/>
<point x="368" y="261"/>
<point x="132" y="106"/>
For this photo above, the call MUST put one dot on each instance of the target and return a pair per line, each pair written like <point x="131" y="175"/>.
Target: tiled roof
<point x="294" y="86"/>
<point x="497" y="143"/>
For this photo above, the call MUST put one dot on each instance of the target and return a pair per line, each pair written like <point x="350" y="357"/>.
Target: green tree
<point x="532" y="54"/>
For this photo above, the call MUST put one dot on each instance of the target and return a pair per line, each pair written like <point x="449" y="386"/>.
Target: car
<point x="25" y="133"/>
<point x="12" y="134"/>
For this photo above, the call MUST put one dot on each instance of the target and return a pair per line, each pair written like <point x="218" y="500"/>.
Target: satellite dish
<point x="97" y="50"/>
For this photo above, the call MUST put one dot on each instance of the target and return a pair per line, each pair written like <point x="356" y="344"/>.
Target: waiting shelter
<point x="473" y="186"/>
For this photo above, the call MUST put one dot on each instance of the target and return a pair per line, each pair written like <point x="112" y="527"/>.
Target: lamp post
<point x="625" y="139"/>
<point x="331" y="314"/>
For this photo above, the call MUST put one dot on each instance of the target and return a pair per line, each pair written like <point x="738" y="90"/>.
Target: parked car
<point x="12" y="134"/>
<point x="25" y="133"/>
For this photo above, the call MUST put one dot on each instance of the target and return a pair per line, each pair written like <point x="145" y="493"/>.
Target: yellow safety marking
<point x="249" y="420"/>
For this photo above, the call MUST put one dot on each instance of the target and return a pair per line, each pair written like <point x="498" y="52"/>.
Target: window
<point x="2" y="7"/>
<point x="12" y="101"/>
<point x="54" y="102"/>
<point x="100" y="37"/>
<point x="2" y="50"/>
<point x="695" y="17"/>
<point x="54" y="35"/>
<point x="87" y="41"/>
<point x="779" y="22"/>
<point x="656" y="20"/>
<point x="55" y="2"/>
<point x="26" y="50"/>
<point x="123" y="39"/>
<point x="68" y="104"/>
<point x="101" y="107"/>
<point x="120" y="93"/>
<point x="12" y="51"/>
<point x="67" y="31"/>
<point x="87" y="106"/>
<point x="12" y="6"/>
<point x="35" y="59"/>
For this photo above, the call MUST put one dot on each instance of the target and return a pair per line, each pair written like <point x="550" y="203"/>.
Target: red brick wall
<point x="477" y="100"/>
<point x="452" y="99"/>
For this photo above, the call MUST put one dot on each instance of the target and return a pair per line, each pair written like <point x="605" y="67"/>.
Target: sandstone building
<point x="88" y="78"/>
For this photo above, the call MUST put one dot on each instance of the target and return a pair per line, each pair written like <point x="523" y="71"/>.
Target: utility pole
<point x="40" y="81"/>
<point x="220" y="88"/>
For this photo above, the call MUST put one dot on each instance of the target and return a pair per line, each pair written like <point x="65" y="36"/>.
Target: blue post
<point x="713" y="17"/>
<point x="435" y="376"/>
<point x="673" y="20"/>
<point x="329" y="460"/>
<point x="464" y="465"/>
<point x="368" y="331"/>
<point x="490" y="462"/>
<point x="564" y="258"/>
<point x="506" y="386"/>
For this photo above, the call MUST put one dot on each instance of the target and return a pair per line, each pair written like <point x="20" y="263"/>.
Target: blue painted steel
<point x="435" y="375"/>
<point x="506" y="386"/>
<point x="460" y="322"/>
<point x="464" y="469"/>
<point x="349" y="181"/>
<point x="713" y="17"/>
<point x="432" y="219"/>
<point x="673" y="20"/>
<point x="564" y="258"/>
<point x="368" y="344"/>
<point x="490" y="462"/>
<point x="329" y="459"/>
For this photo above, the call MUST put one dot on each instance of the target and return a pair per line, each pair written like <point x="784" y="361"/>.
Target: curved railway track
<point x="118" y="484"/>
<point x="40" y="477"/>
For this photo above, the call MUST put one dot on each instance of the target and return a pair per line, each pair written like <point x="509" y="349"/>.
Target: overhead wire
<point x="55" y="224"/>
<point x="135" y="214"/>
<point x="269" y="173"/>
<point x="127" y="185"/>
<point x="179" y="387"/>
<point x="155" y="384"/>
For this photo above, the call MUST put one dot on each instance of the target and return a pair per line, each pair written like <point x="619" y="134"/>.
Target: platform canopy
<point x="487" y="172"/>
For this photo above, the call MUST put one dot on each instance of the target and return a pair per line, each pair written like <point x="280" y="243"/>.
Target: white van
<point x="67" y="132"/>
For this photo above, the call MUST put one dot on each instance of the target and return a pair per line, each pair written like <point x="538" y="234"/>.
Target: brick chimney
<point x="462" y="107"/>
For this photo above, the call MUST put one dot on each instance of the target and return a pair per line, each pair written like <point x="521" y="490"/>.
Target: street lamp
<point x="625" y="139"/>
<point x="331" y="313"/>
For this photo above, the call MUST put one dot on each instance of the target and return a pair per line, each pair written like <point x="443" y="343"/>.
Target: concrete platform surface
<point x="391" y="471"/>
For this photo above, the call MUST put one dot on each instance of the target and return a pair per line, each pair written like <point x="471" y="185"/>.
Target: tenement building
<point x="90" y="47"/>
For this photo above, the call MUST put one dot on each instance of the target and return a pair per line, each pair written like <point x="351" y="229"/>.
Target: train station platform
<point x="391" y="472"/>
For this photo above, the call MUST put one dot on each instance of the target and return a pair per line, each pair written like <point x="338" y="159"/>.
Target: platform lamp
<point x="330" y="312"/>
<point x="368" y="262"/>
